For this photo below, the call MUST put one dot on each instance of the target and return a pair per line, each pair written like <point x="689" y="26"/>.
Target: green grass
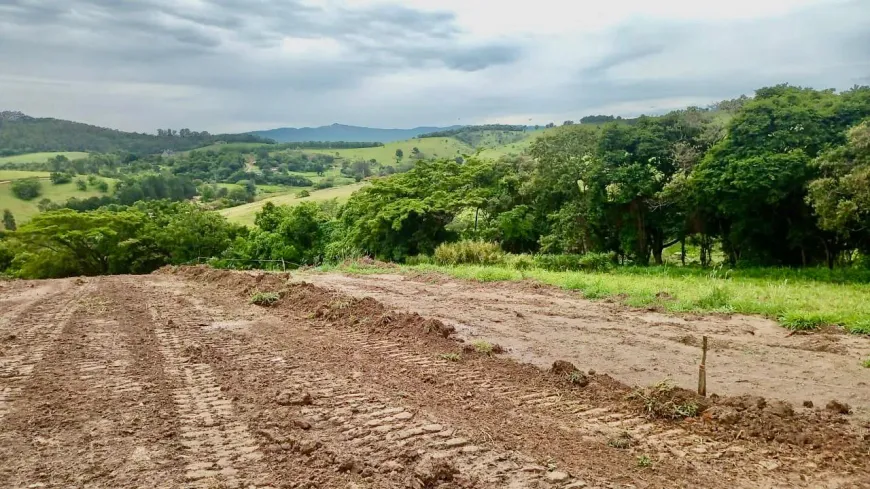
<point x="6" y="175"/>
<point x="245" y="214"/>
<point x="230" y="147"/>
<point x="797" y="299"/>
<point x="41" y="157"/>
<point x="24" y="210"/>
<point x="386" y="155"/>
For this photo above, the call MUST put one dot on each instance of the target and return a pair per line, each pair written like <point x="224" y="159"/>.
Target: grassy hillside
<point x="245" y="214"/>
<point x="6" y="175"/>
<point x="42" y="157"/>
<point x="341" y="132"/>
<point x="386" y="155"/>
<point x="21" y="134"/>
<point x="24" y="210"/>
<point x="241" y="147"/>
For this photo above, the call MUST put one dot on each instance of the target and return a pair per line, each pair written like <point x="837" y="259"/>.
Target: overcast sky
<point x="239" y="65"/>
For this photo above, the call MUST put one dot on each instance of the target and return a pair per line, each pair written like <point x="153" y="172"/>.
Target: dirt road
<point x="748" y="355"/>
<point x="175" y="380"/>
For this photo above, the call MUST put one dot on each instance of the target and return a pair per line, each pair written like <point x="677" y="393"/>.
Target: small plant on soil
<point x="450" y="357"/>
<point x="801" y="321"/>
<point x="664" y="400"/>
<point x="866" y="363"/>
<point x="577" y="377"/>
<point x="484" y="347"/>
<point x="265" y="298"/>
<point x="644" y="461"/>
<point x="622" y="441"/>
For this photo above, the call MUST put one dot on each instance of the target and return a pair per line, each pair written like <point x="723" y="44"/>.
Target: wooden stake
<point x="702" y="370"/>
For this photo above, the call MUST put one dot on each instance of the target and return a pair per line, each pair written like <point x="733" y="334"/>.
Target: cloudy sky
<point x="239" y="65"/>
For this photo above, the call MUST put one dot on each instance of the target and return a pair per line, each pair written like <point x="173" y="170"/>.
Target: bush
<point x="103" y="186"/>
<point x="418" y="260"/>
<point x="468" y="253"/>
<point x="520" y="262"/>
<point x="27" y="188"/>
<point x="302" y="194"/>
<point x="58" y="178"/>
<point x="574" y="263"/>
<point x="325" y="183"/>
<point x="81" y="184"/>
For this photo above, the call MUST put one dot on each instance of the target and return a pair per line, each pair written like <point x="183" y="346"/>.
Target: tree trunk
<point x="683" y="251"/>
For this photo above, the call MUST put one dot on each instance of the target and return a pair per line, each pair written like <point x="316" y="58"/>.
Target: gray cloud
<point x="225" y="65"/>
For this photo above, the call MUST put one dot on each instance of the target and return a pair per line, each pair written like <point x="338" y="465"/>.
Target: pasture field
<point x="7" y="175"/>
<point x="24" y="210"/>
<point x="245" y="214"/>
<point x="41" y="157"/>
<point x="386" y="155"/>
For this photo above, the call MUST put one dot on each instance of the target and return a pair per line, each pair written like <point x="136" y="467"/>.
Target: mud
<point x="175" y="380"/>
<point x="541" y="324"/>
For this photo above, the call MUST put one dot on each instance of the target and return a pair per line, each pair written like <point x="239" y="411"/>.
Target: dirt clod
<point x="562" y="367"/>
<point x="293" y="398"/>
<point x="808" y="404"/>
<point x="838" y="407"/>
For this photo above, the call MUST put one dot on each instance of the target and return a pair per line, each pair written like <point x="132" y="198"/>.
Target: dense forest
<point x="21" y="134"/>
<point x="781" y="179"/>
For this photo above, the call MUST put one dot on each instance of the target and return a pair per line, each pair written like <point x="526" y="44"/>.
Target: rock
<point x="838" y="407"/>
<point x="557" y="476"/>
<point x="808" y="404"/>
<point x="302" y="423"/>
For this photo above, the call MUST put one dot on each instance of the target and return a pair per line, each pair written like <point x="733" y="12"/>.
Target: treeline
<point x="21" y="134"/>
<point x="326" y="145"/>
<point x="783" y="180"/>
<point x="467" y="129"/>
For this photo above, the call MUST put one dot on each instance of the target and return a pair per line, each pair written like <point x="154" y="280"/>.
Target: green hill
<point x="386" y="154"/>
<point x="21" y="134"/>
<point x="41" y="157"/>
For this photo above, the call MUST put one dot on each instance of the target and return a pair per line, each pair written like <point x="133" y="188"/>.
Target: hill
<point x="20" y="134"/>
<point x="24" y="210"/>
<point x="386" y="154"/>
<point x="341" y="132"/>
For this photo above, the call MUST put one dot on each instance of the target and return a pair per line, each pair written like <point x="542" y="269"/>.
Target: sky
<point x="243" y="65"/>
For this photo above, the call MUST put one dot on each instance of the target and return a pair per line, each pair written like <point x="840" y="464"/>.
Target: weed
<point x="577" y="377"/>
<point x="468" y="252"/>
<point x="450" y="357"/>
<point x="484" y="347"/>
<point x="644" y="461"/>
<point x="664" y="400"/>
<point x="802" y="321"/>
<point x="717" y="298"/>
<point x="866" y="363"/>
<point x="265" y="298"/>
<point x="623" y="441"/>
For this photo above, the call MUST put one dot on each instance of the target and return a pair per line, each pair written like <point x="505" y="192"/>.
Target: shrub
<point x="328" y="182"/>
<point x="27" y="188"/>
<point x="520" y="262"/>
<point x="574" y="263"/>
<point x="468" y="252"/>
<point x="103" y="186"/>
<point x="418" y="260"/>
<point x="302" y="194"/>
<point x="58" y="178"/>
<point x="81" y="184"/>
<point x="265" y="298"/>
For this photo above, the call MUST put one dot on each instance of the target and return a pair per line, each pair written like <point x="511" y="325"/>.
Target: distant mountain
<point x="20" y="134"/>
<point x="341" y="132"/>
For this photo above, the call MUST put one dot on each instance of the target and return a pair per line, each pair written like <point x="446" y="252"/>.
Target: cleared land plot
<point x="541" y="324"/>
<point x="176" y="380"/>
<point x="8" y="175"/>
<point x="41" y="157"/>
<point x="245" y="214"/>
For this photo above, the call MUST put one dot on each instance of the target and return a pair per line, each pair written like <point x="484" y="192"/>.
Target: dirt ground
<point x="175" y="380"/>
<point x="539" y="324"/>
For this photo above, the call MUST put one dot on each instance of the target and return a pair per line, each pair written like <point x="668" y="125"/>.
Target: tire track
<point x="366" y="427"/>
<point x="35" y="331"/>
<point x="219" y="448"/>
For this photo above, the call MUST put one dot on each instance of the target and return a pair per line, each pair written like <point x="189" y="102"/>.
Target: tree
<point x="58" y="178"/>
<point x="840" y="196"/>
<point x="399" y="154"/>
<point x="27" y="188"/>
<point x="81" y="184"/>
<point x="9" y="220"/>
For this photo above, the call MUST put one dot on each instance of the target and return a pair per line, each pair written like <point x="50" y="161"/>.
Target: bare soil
<point x="542" y="324"/>
<point x="174" y="380"/>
